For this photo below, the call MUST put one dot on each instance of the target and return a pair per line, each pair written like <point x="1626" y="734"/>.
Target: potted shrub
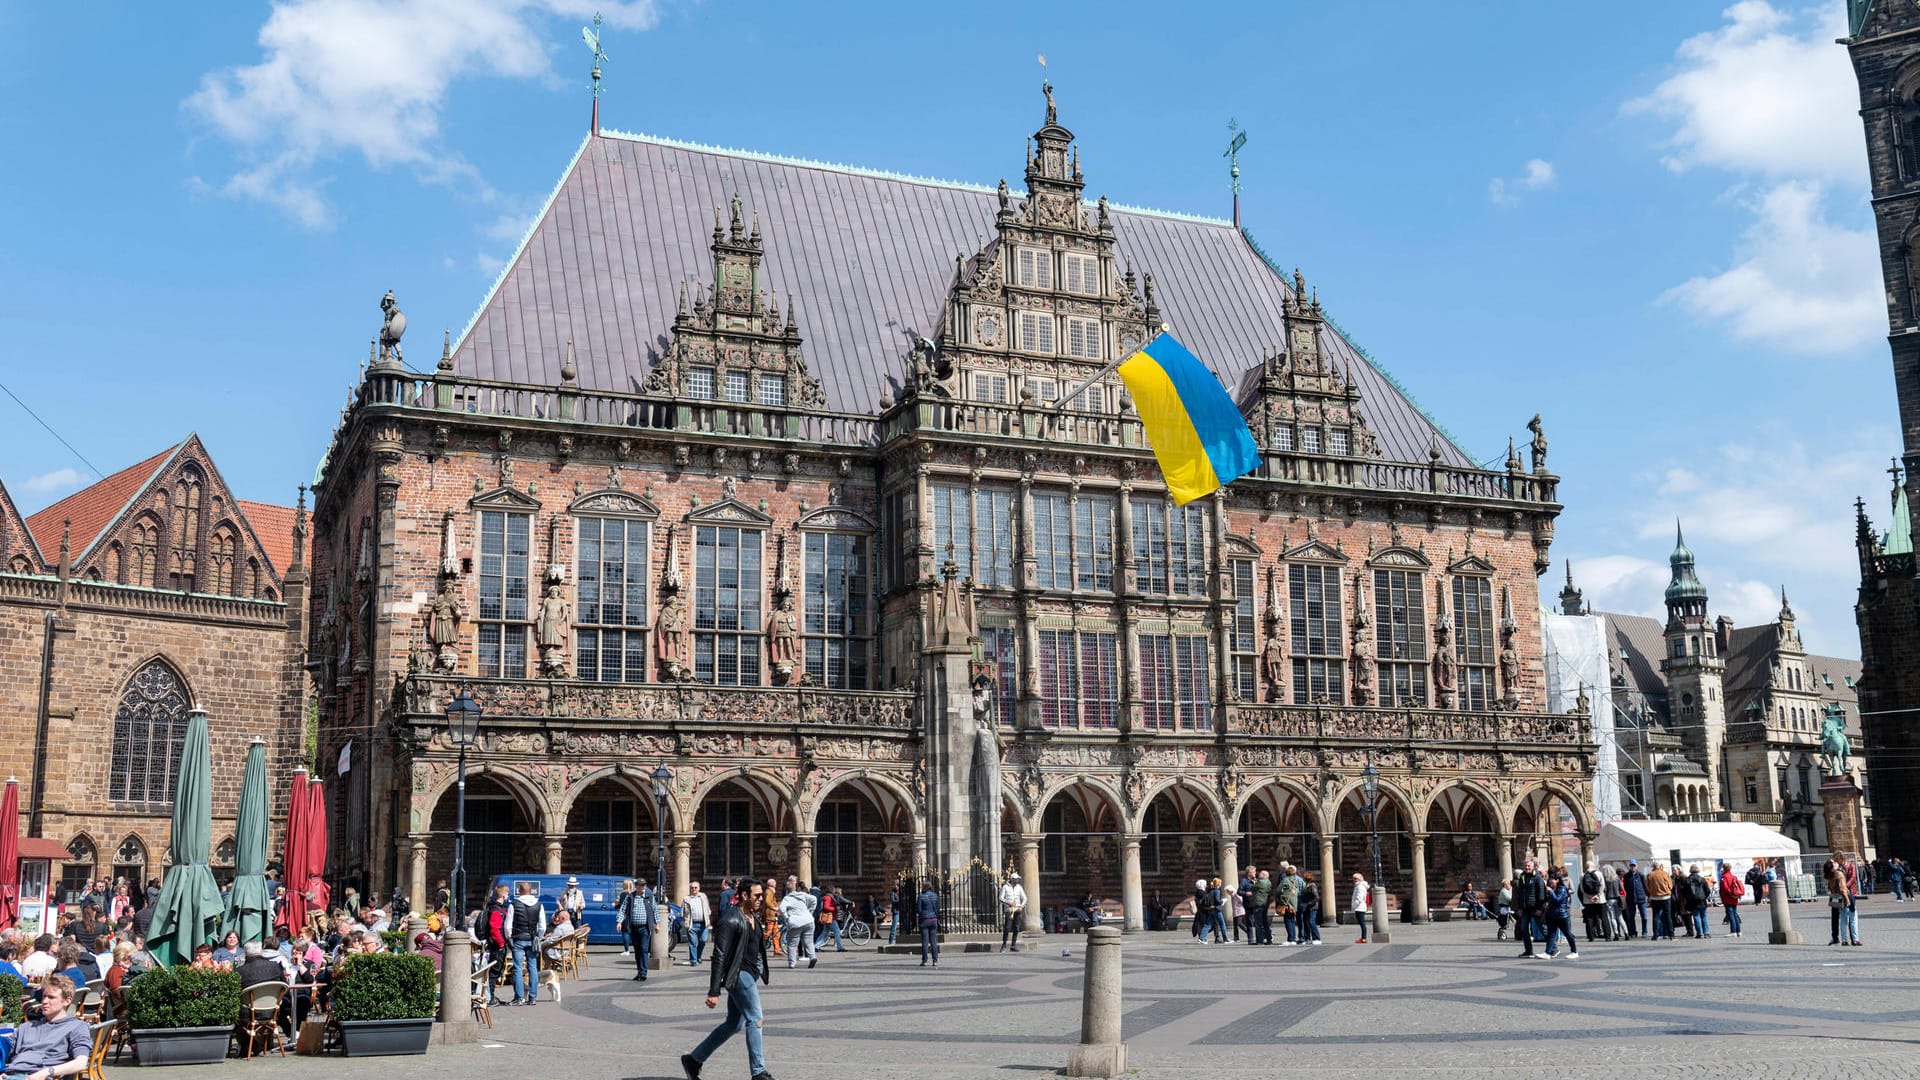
<point x="385" y="1003"/>
<point x="13" y="996"/>
<point x="182" y="1016"/>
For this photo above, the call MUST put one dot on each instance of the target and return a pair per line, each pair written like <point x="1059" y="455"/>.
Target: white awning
<point x="1704" y="842"/>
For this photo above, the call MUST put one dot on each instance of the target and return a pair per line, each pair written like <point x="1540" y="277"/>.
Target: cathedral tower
<point x="1694" y="667"/>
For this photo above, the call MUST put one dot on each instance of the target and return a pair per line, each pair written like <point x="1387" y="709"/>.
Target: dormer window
<point x="989" y="387"/>
<point x="737" y="390"/>
<point x="1338" y="442"/>
<point x="1283" y="437"/>
<point x="1083" y="338"/>
<point x="1034" y="268"/>
<point x="700" y="383"/>
<point x="1082" y="273"/>
<point x="773" y="389"/>
<point x="1310" y="440"/>
<point x="1036" y="332"/>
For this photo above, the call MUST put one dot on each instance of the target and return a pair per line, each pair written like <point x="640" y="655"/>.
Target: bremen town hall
<point x="780" y="476"/>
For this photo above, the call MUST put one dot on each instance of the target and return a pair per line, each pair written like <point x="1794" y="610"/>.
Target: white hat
<point x="573" y="880"/>
<point x="1015" y="876"/>
<point x="1200" y="884"/>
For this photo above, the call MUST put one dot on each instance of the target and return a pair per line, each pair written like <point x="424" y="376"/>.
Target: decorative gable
<point x="617" y="503"/>
<point x="506" y="498"/>
<point x="18" y="554"/>
<point x="1315" y="551"/>
<point x="730" y="512"/>
<point x="844" y="519"/>
<point x="1399" y="558"/>
<point x="1472" y="564"/>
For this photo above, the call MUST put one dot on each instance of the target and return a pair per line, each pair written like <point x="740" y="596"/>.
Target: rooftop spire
<point x="591" y="35"/>
<point x="1684" y="592"/>
<point x="1232" y="155"/>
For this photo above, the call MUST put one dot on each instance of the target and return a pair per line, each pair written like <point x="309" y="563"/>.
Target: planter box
<point x="377" y="1038"/>
<point x="183" y="1046"/>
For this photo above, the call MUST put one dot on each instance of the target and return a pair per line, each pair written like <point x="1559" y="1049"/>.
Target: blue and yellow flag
<point x="1198" y="436"/>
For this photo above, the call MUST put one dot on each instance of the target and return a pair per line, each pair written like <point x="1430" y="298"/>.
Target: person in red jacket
<point x="1731" y="891"/>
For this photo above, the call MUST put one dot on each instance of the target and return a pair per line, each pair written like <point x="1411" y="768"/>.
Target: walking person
<point x="1013" y="907"/>
<point x="796" y="925"/>
<point x="1635" y="884"/>
<point x="1530" y="903"/>
<point x="739" y="968"/>
<point x="1730" y="893"/>
<point x="636" y="915"/>
<point x="927" y="907"/>
<point x="1217" y="912"/>
<point x="1309" y="911"/>
<point x="1559" y="916"/>
<point x="526" y="925"/>
<point x="770" y="917"/>
<point x="1362" y="897"/>
<point x="1503" y="908"/>
<point x="831" y="910"/>
<point x="1260" y="909"/>
<point x="696" y="912"/>
<point x="1660" y="900"/>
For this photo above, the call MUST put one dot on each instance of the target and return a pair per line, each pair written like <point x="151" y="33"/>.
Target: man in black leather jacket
<point x="1529" y="904"/>
<point x="739" y="959"/>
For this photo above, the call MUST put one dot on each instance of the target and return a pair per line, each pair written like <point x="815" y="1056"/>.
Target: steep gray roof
<point x="867" y="257"/>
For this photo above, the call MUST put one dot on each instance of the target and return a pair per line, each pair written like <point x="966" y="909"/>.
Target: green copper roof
<point x="1685" y="585"/>
<point x="1900" y="529"/>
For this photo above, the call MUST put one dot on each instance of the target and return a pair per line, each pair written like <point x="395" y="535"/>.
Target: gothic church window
<point x="1474" y="641"/>
<point x="727" y="619"/>
<point x="77" y="873"/>
<point x="1313" y="598"/>
<point x="505" y="557"/>
<point x="149" y="728"/>
<point x="997" y="645"/>
<point x="130" y="862"/>
<point x="222" y="549"/>
<point x="1246" y="661"/>
<point x="1401" y="637"/>
<point x="146" y="552"/>
<point x="610" y="587"/>
<point x="836" y="626"/>
<point x="1079" y="679"/>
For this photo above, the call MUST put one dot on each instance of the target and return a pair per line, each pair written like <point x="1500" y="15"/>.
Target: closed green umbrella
<point x="247" y="902"/>
<point x="188" y="910"/>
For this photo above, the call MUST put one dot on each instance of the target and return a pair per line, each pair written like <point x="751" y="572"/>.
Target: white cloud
<point x="57" y="480"/>
<point x="1504" y="192"/>
<point x="1769" y="92"/>
<point x="1757" y="515"/>
<point x="371" y="78"/>
<point x="1799" y="281"/>
<point x="1769" y="95"/>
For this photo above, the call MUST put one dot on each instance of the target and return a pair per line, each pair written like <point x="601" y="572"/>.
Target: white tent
<point x="1739" y="843"/>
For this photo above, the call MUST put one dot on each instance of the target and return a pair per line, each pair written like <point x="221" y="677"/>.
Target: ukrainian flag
<point x="1197" y="434"/>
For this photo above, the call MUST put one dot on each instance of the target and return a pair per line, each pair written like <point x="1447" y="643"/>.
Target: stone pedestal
<point x="456" y="990"/>
<point x="1100" y="1053"/>
<point x="1783" y="932"/>
<point x="1846" y="828"/>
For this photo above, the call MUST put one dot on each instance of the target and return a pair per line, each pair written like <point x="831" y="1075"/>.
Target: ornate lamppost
<point x="1370" y="781"/>
<point x="463" y="730"/>
<point x="662" y="944"/>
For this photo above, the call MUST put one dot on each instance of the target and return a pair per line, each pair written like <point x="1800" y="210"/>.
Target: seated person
<point x="121" y="970"/>
<point x="40" y="961"/>
<point x="203" y="958"/>
<point x="6" y="961"/>
<point x="1469" y="902"/>
<point x="103" y="953"/>
<point x="68" y="956"/>
<point x="229" y="951"/>
<point x="560" y="928"/>
<point x="430" y="947"/>
<point x="51" y="1043"/>
<point x="257" y="968"/>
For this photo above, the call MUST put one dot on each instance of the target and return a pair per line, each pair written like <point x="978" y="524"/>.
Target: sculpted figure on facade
<point x="670" y="638"/>
<point x="1273" y="665"/>
<point x="1539" y="443"/>
<point x="1445" y="669"/>
<point x="783" y="632"/>
<point x="443" y="625"/>
<point x="551" y="630"/>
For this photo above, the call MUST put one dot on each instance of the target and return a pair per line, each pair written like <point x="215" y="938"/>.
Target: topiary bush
<point x="13" y="996"/>
<point x="182" y="997"/>
<point x="393" y="940"/>
<point x="386" y="986"/>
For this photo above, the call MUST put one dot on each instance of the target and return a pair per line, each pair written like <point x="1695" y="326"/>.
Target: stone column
<point x="919" y="852"/>
<point x="1329" y="887"/>
<point x="682" y="865"/>
<point x="1230" y="860"/>
<point x="456" y="988"/>
<point x="1504" y="843"/>
<point x="554" y="843"/>
<point x="1100" y="1053"/>
<point x="1030" y="877"/>
<point x="1378" y="932"/>
<point x="1586" y="851"/>
<point x="1130" y="893"/>
<point x="803" y="846"/>
<point x="417" y="873"/>
<point x="1419" y="912"/>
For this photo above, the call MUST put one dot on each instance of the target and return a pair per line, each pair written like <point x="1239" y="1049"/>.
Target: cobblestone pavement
<point x="1440" y="999"/>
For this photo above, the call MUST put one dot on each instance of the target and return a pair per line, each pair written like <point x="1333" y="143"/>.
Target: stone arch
<point x="1388" y="790"/>
<point x="525" y="791"/>
<point x="1105" y="800"/>
<point x="1080" y="826"/>
<point x="1260" y="789"/>
<point x="769" y="788"/>
<point x="898" y="804"/>
<point x="868" y="839"/>
<point x="636" y="781"/>
<point x="1537" y="792"/>
<point x="507" y="821"/>
<point x="83" y="860"/>
<point x="1462" y="824"/>
<point x="1201" y="795"/>
<point x="133" y="854"/>
<point x="755" y="838"/>
<point x="1468" y="790"/>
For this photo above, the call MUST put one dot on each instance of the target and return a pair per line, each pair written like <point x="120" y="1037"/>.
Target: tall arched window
<point x="76" y="874"/>
<point x="221" y="551"/>
<point x="130" y="862"/>
<point x="146" y="553"/>
<point x="148" y="730"/>
<point x="184" y="537"/>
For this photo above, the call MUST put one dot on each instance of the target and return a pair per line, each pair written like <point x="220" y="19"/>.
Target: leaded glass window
<point x="727" y="622"/>
<point x="1246" y="648"/>
<point x="1313" y="597"/>
<point x="149" y="728"/>
<point x="1401" y="637"/>
<point x="610" y="580"/>
<point x="836" y="586"/>
<point x="501" y="628"/>
<point x="1474" y="642"/>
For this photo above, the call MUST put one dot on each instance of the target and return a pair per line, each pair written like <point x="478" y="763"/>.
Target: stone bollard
<point x="456" y="990"/>
<point x="1100" y="1053"/>
<point x="1379" y="934"/>
<point x="415" y="926"/>
<point x="1783" y="931"/>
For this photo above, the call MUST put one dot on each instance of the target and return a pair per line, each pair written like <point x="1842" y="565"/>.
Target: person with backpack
<point x="739" y="967"/>
<point x="1698" y="896"/>
<point x="1730" y="893"/>
<point x="1757" y="881"/>
<point x="927" y="908"/>
<point x="1592" y="900"/>
<point x="526" y="925"/>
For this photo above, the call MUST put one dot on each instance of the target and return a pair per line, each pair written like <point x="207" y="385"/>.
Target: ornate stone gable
<point x="18" y="555"/>
<point x="730" y="511"/>
<point x="730" y="334"/>
<point x="615" y="503"/>
<point x="1305" y="408"/>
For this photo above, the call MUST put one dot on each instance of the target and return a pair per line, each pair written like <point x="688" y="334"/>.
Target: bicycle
<point x="856" y="932"/>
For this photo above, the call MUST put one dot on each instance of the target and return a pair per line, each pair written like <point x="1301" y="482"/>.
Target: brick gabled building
<point x="793" y="505"/>
<point x="123" y="607"/>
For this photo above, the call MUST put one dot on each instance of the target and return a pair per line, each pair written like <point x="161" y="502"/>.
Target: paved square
<point x="1442" y="999"/>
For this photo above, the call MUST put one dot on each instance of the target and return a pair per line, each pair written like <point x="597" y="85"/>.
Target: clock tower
<point x="1694" y="668"/>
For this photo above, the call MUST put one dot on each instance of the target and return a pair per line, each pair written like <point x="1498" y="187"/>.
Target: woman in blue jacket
<point x="1560" y="914"/>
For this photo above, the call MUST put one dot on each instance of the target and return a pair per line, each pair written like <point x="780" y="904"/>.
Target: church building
<point x="810" y="491"/>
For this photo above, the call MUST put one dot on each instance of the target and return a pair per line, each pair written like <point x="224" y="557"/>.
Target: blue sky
<point x="1647" y="223"/>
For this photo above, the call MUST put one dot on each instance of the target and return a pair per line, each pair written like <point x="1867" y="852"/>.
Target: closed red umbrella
<point x="314" y="848"/>
<point x="293" y="862"/>
<point x="10" y="854"/>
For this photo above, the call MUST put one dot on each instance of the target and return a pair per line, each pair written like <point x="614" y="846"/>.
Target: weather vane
<point x="1233" y="157"/>
<point x="591" y="35"/>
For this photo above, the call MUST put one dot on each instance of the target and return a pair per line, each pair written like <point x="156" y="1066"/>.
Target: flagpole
<point x="1061" y="405"/>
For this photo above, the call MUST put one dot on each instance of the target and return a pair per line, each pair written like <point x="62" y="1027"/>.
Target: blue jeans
<point x="1733" y="918"/>
<point x="1557" y="925"/>
<point x="743" y="1011"/>
<point x="1662" y="918"/>
<point x="1291" y="920"/>
<point x="641" y="938"/>
<point x="929" y="943"/>
<point x="1698" y="916"/>
<point x="833" y="928"/>
<point x="1850" y="923"/>
<point x="696" y="943"/>
<point x="1637" y="923"/>
<point x="526" y="970"/>
<point x="1216" y="924"/>
<point x="1360" y="920"/>
<point x="893" y="928"/>
<point x="1310" y="924"/>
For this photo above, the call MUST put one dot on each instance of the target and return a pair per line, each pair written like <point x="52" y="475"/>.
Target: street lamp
<point x="1370" y="780"/>
<point x="463" y="730"/>
<point x="662" y="778"/>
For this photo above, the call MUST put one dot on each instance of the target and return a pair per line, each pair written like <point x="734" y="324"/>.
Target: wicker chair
<point x="103" y="1038"/>
<point x="260" y="1017"/>
<point x="482" y="994"/>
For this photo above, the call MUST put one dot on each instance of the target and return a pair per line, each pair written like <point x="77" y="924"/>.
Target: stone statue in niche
<point x="1362" y="668"/>
<point x="1509" y="674"/>
<point x="552" y="633"/>
<point x="1445" y="667"/>
<point x="1273" y="665"/>
<point x="670" y="638"/>
<point x="784" y="651"/>
<point x="443" y="626"/>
